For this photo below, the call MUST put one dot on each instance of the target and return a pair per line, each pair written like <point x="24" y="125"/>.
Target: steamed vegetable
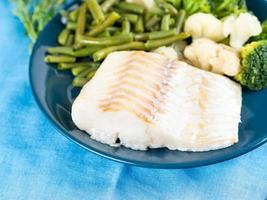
<point x="204" y="25"/>
<point x="222" y="8"/>
<point x="241" y="28"/>
<point x="169" y="52"/>
<point x="263" y="34"/>
<point x="195" y="6"/>
<point x="210" y="56"/>
<point x="253" y="73"/>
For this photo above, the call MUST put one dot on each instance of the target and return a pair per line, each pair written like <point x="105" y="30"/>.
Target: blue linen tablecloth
<point x="38" y="163"/>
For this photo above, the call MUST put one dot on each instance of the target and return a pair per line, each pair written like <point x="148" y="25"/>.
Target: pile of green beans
<point x="97" y="28"/>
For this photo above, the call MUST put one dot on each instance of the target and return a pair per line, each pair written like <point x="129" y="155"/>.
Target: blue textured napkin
<point x="36" y="162"/>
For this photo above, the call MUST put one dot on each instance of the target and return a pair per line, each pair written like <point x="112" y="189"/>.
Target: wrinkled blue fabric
<point x="38" y="163"/>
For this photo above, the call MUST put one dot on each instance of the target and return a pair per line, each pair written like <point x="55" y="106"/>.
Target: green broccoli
<point x="253" y="72"/>
<point x="222" y="8"/>
<point x="192" y="7"/>
<point x="263" y="35"/>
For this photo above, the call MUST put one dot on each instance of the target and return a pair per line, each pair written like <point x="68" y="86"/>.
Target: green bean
<point x="87" y="51"/>
<point x="107" y="4"/>
<point x="86" y="72"/>
<point x="156" y="11"/>
<point x="70" y="40"/>
<point x="118" y="10"/>
<point x="180" y="20"/>
<point x="170" y="8"/>
<point x="96" y="11"/>
<point x="60" y="50"/>
<point x="79" y="81"/>
<point x="101" y="54"/>
<point x="167" y="7"/>
<point x="131" y="7"/>
<point x="165" y="23"/>
<point x="65" y="66"/>
<point x="105" y="33"/>
<point x="126" y="26"/>
<point x="141" y="36"/>
<point x="139" y="26"/>
<point x="63" y="36"/>
<point x="150" y="44"/>
<point x="105" y="41"/>
<point x="109" y="21"/>
<point x="59" y="59"/>
<point x="81" y="21"/>
<point x="91" y="74"/>
<point x="74" y="15"/>
<point x="131" y="17"/>
<point x="78" y="70"/>
<point x="71" y="25"/>
<point x="161" y="34"/>
<point x="152" y="22"/>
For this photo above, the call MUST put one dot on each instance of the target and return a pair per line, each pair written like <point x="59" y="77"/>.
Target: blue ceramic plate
<point x="54" y="94"/>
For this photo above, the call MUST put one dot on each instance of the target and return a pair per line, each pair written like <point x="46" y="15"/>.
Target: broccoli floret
<point x="222" y="8"/>
<point x="253" y="72"/>
<point x="263" y="35"/>
<point x="192" y="7"/>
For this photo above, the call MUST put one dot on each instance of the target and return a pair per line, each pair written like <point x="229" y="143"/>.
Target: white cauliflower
<point x="147" y="3"/>
<point x="241" y="28"/>
<point x="208" y="55"/>
<point x="202" y="25"/>
<point x="167" y="51"/>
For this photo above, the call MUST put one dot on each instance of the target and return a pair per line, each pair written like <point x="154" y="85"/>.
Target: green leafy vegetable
<point x="222" y="8"/>
<point x="35" y="14"/>
<point x="192" y="7"/>
<point x="253" y="73"/>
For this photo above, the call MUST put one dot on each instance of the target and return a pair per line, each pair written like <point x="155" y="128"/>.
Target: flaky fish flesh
<point x="145" y="100"/>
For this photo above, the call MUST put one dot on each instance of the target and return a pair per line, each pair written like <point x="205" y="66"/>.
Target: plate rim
<point x="110" y="156"/>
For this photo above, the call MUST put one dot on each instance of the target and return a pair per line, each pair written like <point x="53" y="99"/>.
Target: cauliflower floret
<point x="202" y="25"/>
<point x="147" y="3"/>
<point x="208" y="55"/>
<point x="167" y="51"/>
<point x="241" y="28"/>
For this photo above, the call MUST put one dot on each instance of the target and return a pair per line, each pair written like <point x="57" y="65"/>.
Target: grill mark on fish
<point x="147" y="81"/>
<point x="126" y="94"/>
<point x="118" y="106"/>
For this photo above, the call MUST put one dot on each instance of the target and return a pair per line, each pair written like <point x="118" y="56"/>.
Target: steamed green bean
<point x="126" y="26"/>
<point x="105" y="41"/>
<point x="59" y="59"/>
<point x="161" y="34"/>
<point x="107" y="4"/>
<point x="165" y="23"/>
<point x="63" y="36"/>
<point x="81" y="21"/>
<point x="131" y="7"/>
<point x="101" y="54"/>
<point x="96" y="11"/>
<point x="151" y="44"/>
<point x="109" y="21"/>
<point x="139" y="25"/>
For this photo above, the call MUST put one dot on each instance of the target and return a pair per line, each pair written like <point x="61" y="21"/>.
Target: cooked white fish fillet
<point x="145" y="100"/>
